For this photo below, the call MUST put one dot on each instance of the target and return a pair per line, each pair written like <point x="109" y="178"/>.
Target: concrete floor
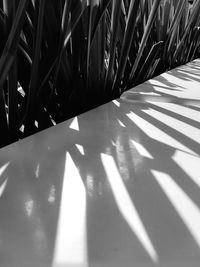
<point x="115" y="187"/>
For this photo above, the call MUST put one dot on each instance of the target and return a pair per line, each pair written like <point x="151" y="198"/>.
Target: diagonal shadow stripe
<point x="126" y="206"/>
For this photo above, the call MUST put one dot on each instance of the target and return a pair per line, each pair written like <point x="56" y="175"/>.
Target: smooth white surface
<point x="117" y="186"/>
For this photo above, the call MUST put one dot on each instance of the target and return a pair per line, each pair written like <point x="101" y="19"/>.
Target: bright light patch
<point x="74" y="125"/>
<point x="36" y="124"/>
<point x="157" y="134"/>
<point x="3" y="168"/>
<point x="180" y="126"/>
<point x="52" y="194"/>
<point x="71" y="243"/>
<point x="22" y="128"/>
<point x="80" y="149"/>
<point x="149" y="94"/>
<point x="141" y="150"/>
<point x="116" y="103"/>
<point x="29" y="205"/>
<point x="186" y="208"/>
<point x="190" y="164"/>
<point x="3" y="186"/>
<point x="121" y="159"/>
<point x="90" y="184"/>
<point x="113" y="143"/>
<point x="37" y="171"/>
<point x="181" y="110"/>
<point x="121" y="123"/>
<point x="126" y="205"/>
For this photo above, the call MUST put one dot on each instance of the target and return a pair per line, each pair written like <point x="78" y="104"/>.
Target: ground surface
<point x="117" y="186"/>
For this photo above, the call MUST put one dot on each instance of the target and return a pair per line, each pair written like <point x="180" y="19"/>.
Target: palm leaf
<point x="126" y="45"/>
<point x="31" y="101"/>
<point x="146" y="34"/>
<point x="11" y="45"/>
<point x="116" y="9"/>
<point x="192" y="20"/>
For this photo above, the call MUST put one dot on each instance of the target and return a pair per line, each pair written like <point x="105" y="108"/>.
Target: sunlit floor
<point x="118" y="186"/>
